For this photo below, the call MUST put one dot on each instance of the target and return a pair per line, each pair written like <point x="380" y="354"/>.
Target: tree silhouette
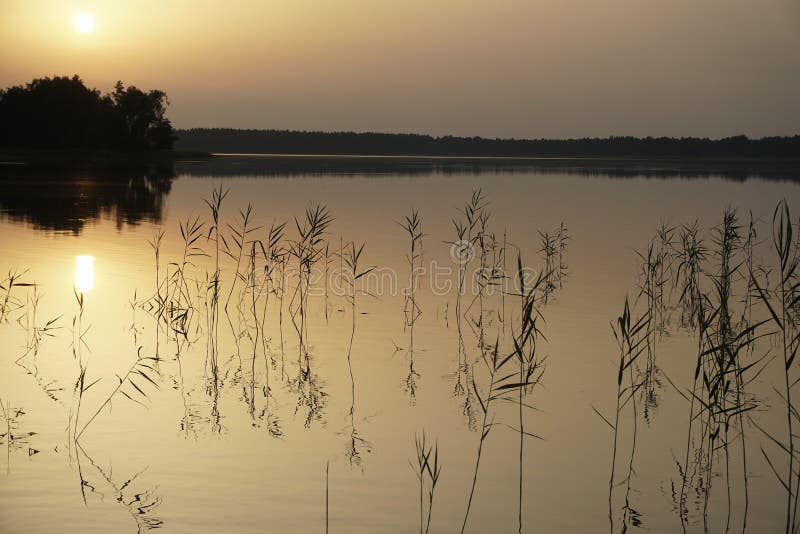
<point x="62" y="113"/>
<point x="140" y="118"/>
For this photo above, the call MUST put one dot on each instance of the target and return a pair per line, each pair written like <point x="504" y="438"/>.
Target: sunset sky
<point x="509" y="68"/>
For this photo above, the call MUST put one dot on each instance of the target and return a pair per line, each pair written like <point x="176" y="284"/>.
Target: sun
<point x="83" y="23"/>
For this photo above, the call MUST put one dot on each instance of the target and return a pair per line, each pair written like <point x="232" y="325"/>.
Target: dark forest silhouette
<point x="62" y="113"/>
<point x="222" y="140"/>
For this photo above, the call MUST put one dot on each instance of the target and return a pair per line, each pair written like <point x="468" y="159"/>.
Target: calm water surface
<point x="184" y="447"/>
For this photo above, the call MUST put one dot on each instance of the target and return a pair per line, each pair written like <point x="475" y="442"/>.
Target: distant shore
<point x="309" y="143"/>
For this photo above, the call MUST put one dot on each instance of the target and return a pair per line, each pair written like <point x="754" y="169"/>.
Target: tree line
<point x="62" y="113"/>
<point x="224" y="140"/>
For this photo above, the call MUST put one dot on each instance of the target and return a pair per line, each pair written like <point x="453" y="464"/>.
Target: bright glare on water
<point x="84" y="273"/>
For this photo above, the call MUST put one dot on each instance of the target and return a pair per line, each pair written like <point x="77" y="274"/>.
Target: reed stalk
<point x="781" y="315"/>
<point x="631" y="335"/>
<point x="427" y="471"/>
<point x="504" y="386"/>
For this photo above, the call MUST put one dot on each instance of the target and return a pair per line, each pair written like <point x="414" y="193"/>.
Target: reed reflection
<point x="141" y="503"/>
<point x="13" y="438"/>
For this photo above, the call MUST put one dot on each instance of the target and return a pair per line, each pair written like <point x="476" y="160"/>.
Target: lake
<point x="253" y="344"/>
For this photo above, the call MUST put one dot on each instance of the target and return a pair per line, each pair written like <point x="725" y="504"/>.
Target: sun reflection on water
<point x="84" y="273"/>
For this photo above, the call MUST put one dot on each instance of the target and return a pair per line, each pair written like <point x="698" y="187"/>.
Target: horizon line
<point x="478" y="137"/>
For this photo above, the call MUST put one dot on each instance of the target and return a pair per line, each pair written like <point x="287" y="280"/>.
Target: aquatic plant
<point x="665" y="244"/>
<point x="690" y="258"/>
<point x="462" y="249"/>
<point x="78" y="343"/>
<point x="307" y="249"/>
<point x="155" y="244"/>
<point x="427" y="471"/>
<point x="411" y="310"/>
<point x="780" y="307"/>
<point x="549" y="249"/>
<point x="631" y="335"/>
<point x="563" y="238"/>
<point x="504" y="385"/>
<point x="239" y="236"/>
<point x="413" y="227"/>
<point x="35" y="333"/>
<point x="274" y="257"/>
<point x="142" y="370"/>
<point x="728" y="240"/>
<point x="531" y="363"/>
<point x="703" y="318"/>
<point x="353" y="274"/>
<point x="181" y="307"/>
<point x="717" y="398"/>
<point x="490" y="274"/>
<point x="9" y="302"/>
<point x="214" y="205"/>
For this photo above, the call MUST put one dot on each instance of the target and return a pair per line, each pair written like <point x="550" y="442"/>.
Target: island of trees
<point x="61" y="113"/>
<point x="221" y="140"/>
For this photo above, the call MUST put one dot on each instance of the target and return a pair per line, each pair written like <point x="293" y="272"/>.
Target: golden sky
<point x="522" y="68"/>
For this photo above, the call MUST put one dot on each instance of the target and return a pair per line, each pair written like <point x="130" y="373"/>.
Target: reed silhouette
<point x="504" y="385"/>
<point x="782" y="307"/>
<point x="353" y="273"/>
<point x="427" y="470"/>
<point x="631" y="334"/>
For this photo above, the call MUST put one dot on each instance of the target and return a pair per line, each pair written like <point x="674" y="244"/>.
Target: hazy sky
<point x="508" y="68"/>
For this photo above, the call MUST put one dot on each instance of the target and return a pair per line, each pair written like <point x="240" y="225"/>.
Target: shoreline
<point x="289" y="165"/>
<point x="12" y="156"/>
<point x="22" y="162"/>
